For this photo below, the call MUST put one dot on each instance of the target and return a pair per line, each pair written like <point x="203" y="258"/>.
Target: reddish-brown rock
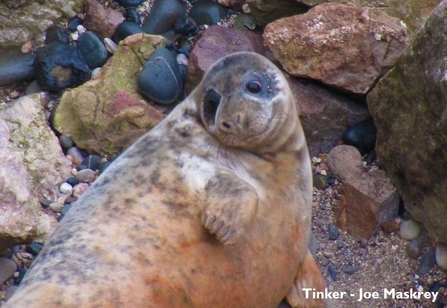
<point x="341" y="45"/>
<point x="101" y="20"/>
<point x="217" y="42"/>
<point x="367" y="198"/>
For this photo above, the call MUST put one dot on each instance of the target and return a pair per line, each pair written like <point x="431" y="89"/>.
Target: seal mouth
<point x="211" y="102"/>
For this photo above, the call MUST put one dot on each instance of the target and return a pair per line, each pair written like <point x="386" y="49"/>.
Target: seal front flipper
<point x="308" y="277"/>
<point x="231" y="205"/>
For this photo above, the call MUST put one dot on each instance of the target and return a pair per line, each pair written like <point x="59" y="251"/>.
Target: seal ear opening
<point x="211" y="102"/>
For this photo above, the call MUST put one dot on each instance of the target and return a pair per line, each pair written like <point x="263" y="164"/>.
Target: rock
<point x="411" y="124"/>
<point x="85" y="175"/>
<point x="312" y="244"/>
<point x="441" y="256"/>
<point x="19" y="24"/>
<point x="362" y="136"/>
<point x="333" y="232"/>
<point x="124" y="115"/>
<point x="56" y="207"/>
<point x="57" y="34"/>
<point x="76" y="155"/>
<point x="340" y="45"/>
<point x="267" y="11"/>
<point x="7" y="269"/>
<point x="129" y="3"/>
<point x="160" y="79"/>
<point x="16" y="67"/>
<point x="414" y="248"/>
<point x="350" y="269"/>
<point x="31" y="165"/>
<point x="323" y="114"/>
<point x="332" y="273"/>
<point x="66" y="188"/>
<point x="208" y="13"/>
<point x="74" y="22"/>
<point x="79" y="189"/>
<point x="133" y="16"/>
<point x="319" y="181"/>
<point x="163" y="16"/>
<point x="34" y="248"/>
<point x="59" y="66"/>
<point x="428" y="261"/>
<point x="186" y="25"/>
<point x="367" y="198"/>
<point x="92" y="49"/>
<point x="101" y="20"/>
<point x="65" y="142"/>
<point x="217" y="42"/>
<point x="92" y="162"/>
<point x="244" y="22"/>
<point x="125" y="29"/>
<point x="409" y="229"/>
<point x="10" y="292"/>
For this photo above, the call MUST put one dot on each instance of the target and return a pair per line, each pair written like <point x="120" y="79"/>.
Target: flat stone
<point x="7" y="269"/>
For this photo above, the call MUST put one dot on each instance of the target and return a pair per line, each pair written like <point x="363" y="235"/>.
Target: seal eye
<point x="211" y="102"/>
<point x="253" y="86"/>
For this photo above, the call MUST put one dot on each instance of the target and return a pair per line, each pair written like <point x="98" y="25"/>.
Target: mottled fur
<point x="211" y="208"/>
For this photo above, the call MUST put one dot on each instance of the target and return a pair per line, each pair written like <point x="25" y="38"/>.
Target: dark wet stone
<point x="414" y="248"/>
<point x="163" y="16"/>
<point x="125" y="29"/>
<point x="186" y="25"/>
<point x="16" y="67"/>
<point x="129" y="3"/>
<point x="184" y="46"/>
<point x="332" y="273"/>
<point x="57" y="34"/>
<point x="319" y="181"/>
<point x="45" y="202"/>
<point x="66" y="208"/>
<point x="133" y="16"/>
<point x="74" y="22"/>
<point x="22" y="272"/>
<point x="428" y="260"/>
<point x="92" y="162"/>
<point x="81" y="167"/>
<point x="70" y="200"/>
<point x="350" y="269"/>
<point x="104" y="166"/>
<point x="92" y="49"/>
<point x="334" y="232"/>
<point x="160" y="79"/>
<point x="331" y="180"/>
<point x="73" y="181"/>
<point x="34" y="248"/>
<point x="208" y="13"/>
<point x="362" y="136"/>
<point x="59" y="66"/>
<point x="65" y="142"/>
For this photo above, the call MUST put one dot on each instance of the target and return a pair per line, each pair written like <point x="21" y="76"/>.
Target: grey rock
<point x="16" y="67"/>
<point x="7" y="269"/>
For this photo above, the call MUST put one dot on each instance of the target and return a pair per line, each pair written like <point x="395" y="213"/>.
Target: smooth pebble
<point x="409" y="229"/>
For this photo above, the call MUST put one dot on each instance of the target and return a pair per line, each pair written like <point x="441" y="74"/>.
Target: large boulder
<point x="107" y="114"/>
<point x="409" y="106"/>
<point x="338" y="44"/>
<point x="32" y="166"/>
<point x="21" y="20"/>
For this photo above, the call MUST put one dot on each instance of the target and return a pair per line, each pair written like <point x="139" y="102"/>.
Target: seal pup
<point x="211" y="208"/>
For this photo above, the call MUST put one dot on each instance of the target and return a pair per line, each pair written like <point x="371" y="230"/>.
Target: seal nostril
<point x="211" y="102"/>
<point x="226" y="125"/>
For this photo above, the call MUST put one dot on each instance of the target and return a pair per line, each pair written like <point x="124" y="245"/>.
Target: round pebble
<point x="351" y="269"/>
<point x="441" y="256"/>
<point x="182" y="59"/>
<point x="73" y="181"/>
<point x="312" y="244"/>
<point x="409" y="229"/>
<point x="324" y="261"/>
<point x="104" y="166"/>
<point x="125" y="29"/>
<point x="92" y="162"/>
<point x="70" y="200"/>
<point x="56" y="207"/>
<point x="76" y="155"/>
<point x="362" y="136"/>
<point x="45" y="202"/>
<point x="66" y="188"/>
<point x="319" y="181"/>
<point x="110" y="45"/>
<point x="208" y="13"/>
<point x="74" y="22"/>
<point x="160" y="79"/>
<point x="59" y="66"/>
<point x="328" y="254"/>
<point x="332" y="273"/>
<point x="85" y="176"/>
<point x="7" y="269"/>
<point x="334" y="232"/>
<point x="414" y="248"/>
<point x="92" y="49"/>
<point x="65" y="141"/>
<point x="428" y="260"/>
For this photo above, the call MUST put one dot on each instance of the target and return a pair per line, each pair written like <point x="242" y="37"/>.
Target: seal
<point x="211" y="208"/>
